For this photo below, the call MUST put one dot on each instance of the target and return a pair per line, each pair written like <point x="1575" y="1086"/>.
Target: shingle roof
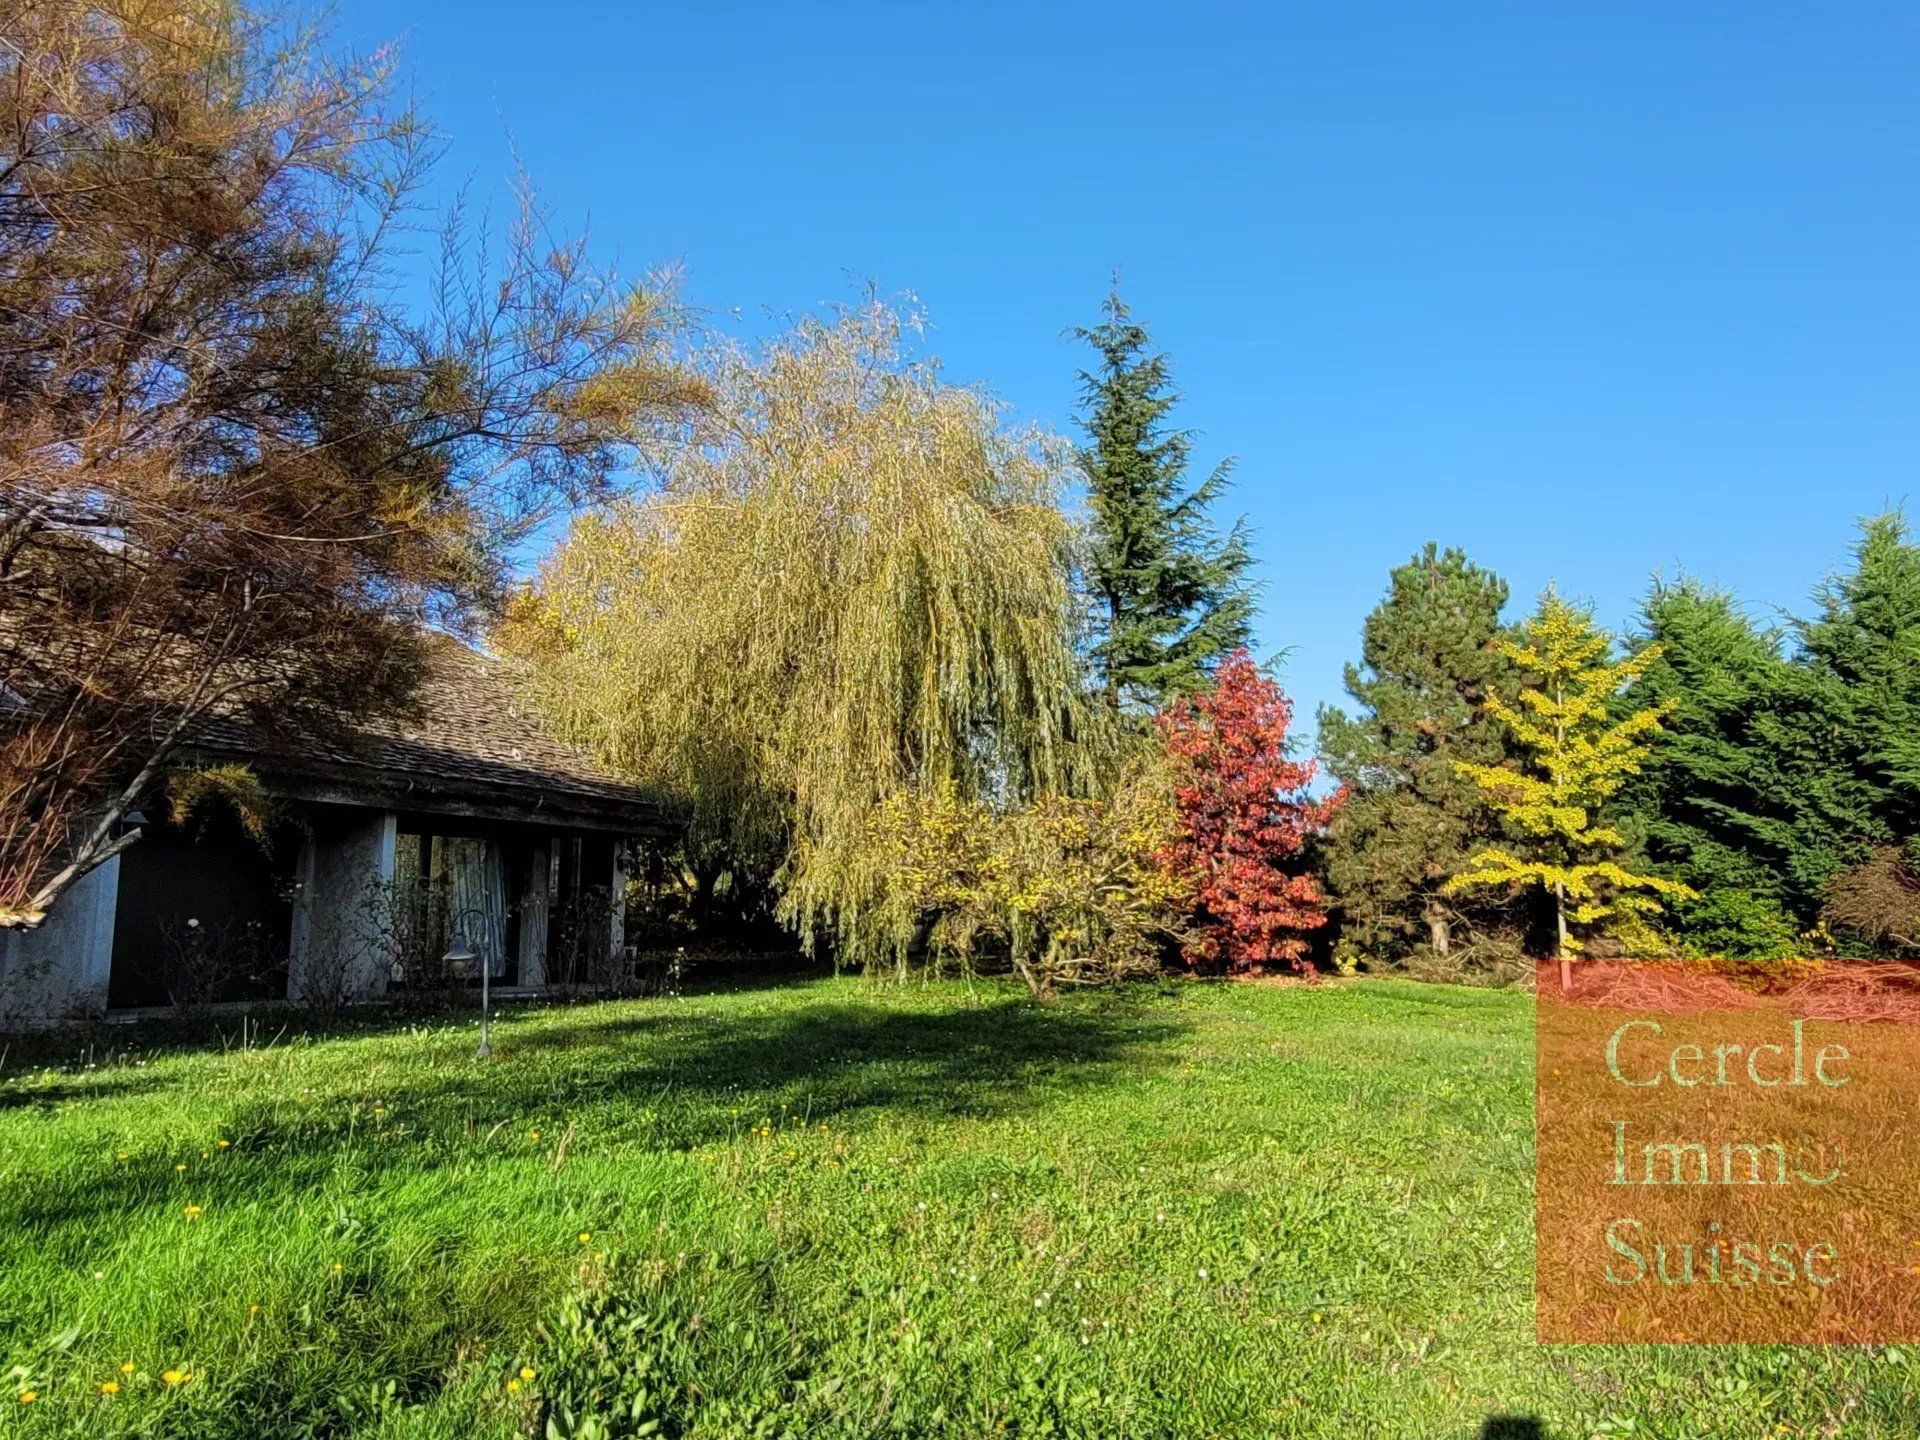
<point x="475" y="743"/>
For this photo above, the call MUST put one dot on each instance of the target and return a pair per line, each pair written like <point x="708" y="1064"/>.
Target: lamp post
<point x="460" y="958"/>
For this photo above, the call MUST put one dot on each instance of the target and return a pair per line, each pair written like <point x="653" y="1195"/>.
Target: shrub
<point x="1072" y="889"/>
<point x="1739" y="924"/>
<point x="1877" y="901"/>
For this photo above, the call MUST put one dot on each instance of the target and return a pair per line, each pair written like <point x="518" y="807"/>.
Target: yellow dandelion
<point x="27" y="1397"/>
<point x="513" y="1387"/>
<point x="182" y="1168"/>
<point x="123" y="1154"/>
<point x="224" y="1144"/>
<point x="109" y="1387"/>
<point x="127" y="1369"/>
<point x="586" y="1236"/>
<point x="533" y="1134"/>
<point x="176" y="1377"/>
<point x="527" y="1372"/>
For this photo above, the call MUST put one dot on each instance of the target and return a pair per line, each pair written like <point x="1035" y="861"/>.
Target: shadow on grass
<point x="664" y="1079"/>
<point x="155" y="1034"/>
<point x="49" y="1097"/>
<point x="1512" y="1427"/>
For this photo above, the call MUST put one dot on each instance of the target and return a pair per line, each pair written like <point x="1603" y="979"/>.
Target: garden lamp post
<point x="460" y="958"/>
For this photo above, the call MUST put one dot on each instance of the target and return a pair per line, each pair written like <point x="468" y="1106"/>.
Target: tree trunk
<point x="1439" y="929"/>
<point x="1112" y="676"/>
<point x="1560" y="930"/>
<point x="1560" y="890"/>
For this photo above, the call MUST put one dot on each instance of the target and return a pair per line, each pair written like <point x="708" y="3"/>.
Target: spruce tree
<point x="1863" y="649"/>
<point x="1781" y="775"/>
<point x="1430" y="658"/>
<point x="1744" y="800"/>
<point x="1171" y="594"/>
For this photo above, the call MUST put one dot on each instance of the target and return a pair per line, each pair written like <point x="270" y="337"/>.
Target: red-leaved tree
<point x="1245" y="818"/>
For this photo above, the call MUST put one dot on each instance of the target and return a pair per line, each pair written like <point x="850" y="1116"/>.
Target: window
<point x="455" y="887"/>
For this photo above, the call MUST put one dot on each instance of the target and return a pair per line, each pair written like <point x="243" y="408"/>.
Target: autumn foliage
<point x="1245" y="819"/>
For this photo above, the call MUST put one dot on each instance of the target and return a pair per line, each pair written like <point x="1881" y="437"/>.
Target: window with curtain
<point x="472" y="875"/>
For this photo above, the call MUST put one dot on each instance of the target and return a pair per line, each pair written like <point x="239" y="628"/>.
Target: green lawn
<point x="832" y="1209"/>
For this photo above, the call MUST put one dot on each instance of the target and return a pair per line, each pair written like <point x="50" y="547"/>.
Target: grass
<point x="831" y="1209"/>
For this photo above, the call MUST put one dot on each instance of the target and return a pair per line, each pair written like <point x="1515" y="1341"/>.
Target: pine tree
<point x="1581" y="758"/>
<point x="1430" y="658"/>
<point x="1172" y="595"/>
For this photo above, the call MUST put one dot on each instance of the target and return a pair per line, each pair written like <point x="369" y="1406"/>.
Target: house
<point x="470" y="824"/>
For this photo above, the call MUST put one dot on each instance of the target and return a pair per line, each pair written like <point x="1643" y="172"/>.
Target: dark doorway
<point x="581" y="892"/>
<point x="205" y="914"/>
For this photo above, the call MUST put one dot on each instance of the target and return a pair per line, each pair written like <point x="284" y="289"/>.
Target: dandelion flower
<point x="192" y="1212"/>
<point x="224" y="1144"/>
<point x="27" y="1397"/>
<point x="127" y="1369"/>
<point x="533" y="1134"/>
<point x="109" y="1387"/>
<point x="586" y="1236"/>
<point x="527" y="1372"/>
<point x="176" y="1377"/>
<point x="181" y="1168"/>
<point x="513" y="1387"/>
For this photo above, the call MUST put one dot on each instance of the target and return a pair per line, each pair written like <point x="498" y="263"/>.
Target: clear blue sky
<point x="1592" y="291"/>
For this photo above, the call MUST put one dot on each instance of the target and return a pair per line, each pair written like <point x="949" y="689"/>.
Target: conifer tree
<point x="1429" y="659"/>
<point x="1863" y="650"/>
<point x="1743" y="800"/>
<point x="1172" y="596"/>
<point x="1783" y="775"/>
<point x="1581" y="757"/>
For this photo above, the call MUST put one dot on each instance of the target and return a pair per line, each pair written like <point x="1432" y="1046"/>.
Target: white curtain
<point x="476" y="887"/>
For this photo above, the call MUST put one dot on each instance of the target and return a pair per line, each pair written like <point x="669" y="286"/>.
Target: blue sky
<point x="1591" y="291"/>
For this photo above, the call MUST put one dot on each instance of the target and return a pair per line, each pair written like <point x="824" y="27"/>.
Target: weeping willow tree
<point x="853" y="584"/>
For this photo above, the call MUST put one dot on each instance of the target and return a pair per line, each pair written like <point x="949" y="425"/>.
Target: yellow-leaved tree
<point x="852" y="588"/>
<point x="1578" y="758"/>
